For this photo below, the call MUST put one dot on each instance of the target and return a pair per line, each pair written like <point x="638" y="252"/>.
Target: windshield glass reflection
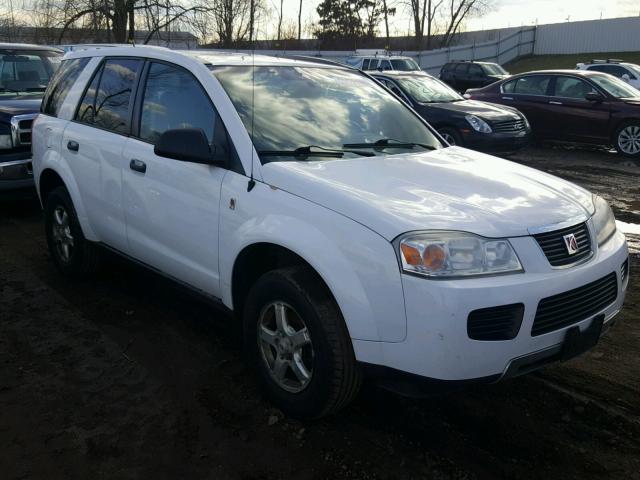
<point x="286" y="107"/>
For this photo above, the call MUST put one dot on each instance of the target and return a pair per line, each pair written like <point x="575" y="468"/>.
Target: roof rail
<point x="608" y="60"/>
<point x="320" y="60"/>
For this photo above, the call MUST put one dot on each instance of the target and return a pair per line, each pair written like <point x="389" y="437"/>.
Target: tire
<point x="334" y="377"/>
<point x="62" y="227"/>
<point x="627" y="139"/>
<point x="451" y="136"/>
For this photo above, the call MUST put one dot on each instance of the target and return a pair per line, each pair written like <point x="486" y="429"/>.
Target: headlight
<point x="603" y="220"/>
<point x="5" y="141"/>
<point x="456" y="254"/>
<point x="478" y="124"/>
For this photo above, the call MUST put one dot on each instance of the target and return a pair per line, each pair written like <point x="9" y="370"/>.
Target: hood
<point x="447" y="189"/>
<point x="498" y="77"/>
<point x="487" y="111"/>
<point x="632" y="101"/>
<point x="17" y="106"/>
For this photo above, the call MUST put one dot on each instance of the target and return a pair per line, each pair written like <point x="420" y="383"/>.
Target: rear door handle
<point x="507" y="98"/>
<point x="138" y="165"/>
<point x="73" y="145"/>
<point x="555" y="103"/>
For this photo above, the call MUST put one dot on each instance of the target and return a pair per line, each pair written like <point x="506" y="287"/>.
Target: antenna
<point x="252" y="182"/>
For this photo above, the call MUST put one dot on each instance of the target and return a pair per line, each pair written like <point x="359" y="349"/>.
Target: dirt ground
<point x="126" y="376"/>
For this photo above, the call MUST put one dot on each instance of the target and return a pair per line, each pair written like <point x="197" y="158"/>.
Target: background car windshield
<point x="326" y="107"/>
<point x="26" y="71"/>
<point x="635" y="69"/>
<point x="494" y="69"/>
<point x="404" y="65"/>
<point x="429" y="90"/>
<point x="616" y="87"/>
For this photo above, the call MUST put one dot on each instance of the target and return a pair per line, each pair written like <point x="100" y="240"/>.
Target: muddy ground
<point x="125" y="376"/>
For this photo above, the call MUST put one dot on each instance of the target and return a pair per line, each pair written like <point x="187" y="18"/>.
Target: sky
<point x="505" y="13"/>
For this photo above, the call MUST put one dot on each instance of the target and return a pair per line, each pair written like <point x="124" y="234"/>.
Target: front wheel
<point x="451" y="136"/>
<point x="627" y="139"/>
<point x="297" y="341"/>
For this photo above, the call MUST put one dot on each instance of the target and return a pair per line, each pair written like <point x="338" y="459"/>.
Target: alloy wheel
<point x="629" y="140"/>
<point x="285" y="346"/>
<point x="449" y="138"/>
<point x="61" y="233"/>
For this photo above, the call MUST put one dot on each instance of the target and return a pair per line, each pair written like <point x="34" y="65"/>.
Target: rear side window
<point x="60" y="84"/>
<point x="107" y="102"/>
<point x="386" y="65"/>
<point x="531" y="85"/>
<point x="172" y="99"/>
<point x="365" y="64"/>
<point x="476" y="70"/>
<point x="461" y="68"/>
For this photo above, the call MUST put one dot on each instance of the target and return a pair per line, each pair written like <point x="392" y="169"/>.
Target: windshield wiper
<point x="388" y="143"/>
<point x="303" y="152"/>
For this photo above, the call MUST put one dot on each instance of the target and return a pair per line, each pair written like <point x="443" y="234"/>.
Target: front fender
<point x="358" y="265"/>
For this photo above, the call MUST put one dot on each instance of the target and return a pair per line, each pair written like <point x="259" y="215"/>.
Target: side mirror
<point x="594" y="97"/>
<point x="189" y="145"/>
<point x="626" y="77"/>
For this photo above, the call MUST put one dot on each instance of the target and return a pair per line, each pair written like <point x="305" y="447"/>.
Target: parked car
<point x="25" y="71"/>
<point x="629" y="72"/>
<point x="327" y="216"/>
<point x="573" y="105"/>
<point x="382" y="63"/>
<point x="477" y="125"/>
<point x="464" y="74"/>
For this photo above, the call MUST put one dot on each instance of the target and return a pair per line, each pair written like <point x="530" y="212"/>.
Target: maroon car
<point x="572" y="105"/>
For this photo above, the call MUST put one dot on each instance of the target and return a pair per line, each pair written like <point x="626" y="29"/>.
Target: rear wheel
<point x="451" y="136"/>
<point x="297" y="341"/>
<point x="627" y="139"/>
<point x="72" y="254"/>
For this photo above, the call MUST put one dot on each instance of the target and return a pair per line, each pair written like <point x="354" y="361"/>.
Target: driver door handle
<point x="554" y="102"/>
<point x="138" y="165"/>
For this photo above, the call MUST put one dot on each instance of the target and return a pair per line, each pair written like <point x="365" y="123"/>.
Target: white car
<point x="342" y="232"/>
<point x="629" y="72"/>
<point x="383" y="63"/>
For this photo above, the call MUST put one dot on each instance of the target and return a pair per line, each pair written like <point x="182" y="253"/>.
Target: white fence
<point x="609" y="35"/>
<point x="516" y="44"/>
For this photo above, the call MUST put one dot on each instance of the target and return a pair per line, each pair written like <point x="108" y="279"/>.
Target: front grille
<point x="575" y="305"/>
<point x="624" y="271"/>
<point x="507" y="126"/>
<point x="21" y="129"/>
<point x="495" y="323"/>
<point x="554" y="247"/>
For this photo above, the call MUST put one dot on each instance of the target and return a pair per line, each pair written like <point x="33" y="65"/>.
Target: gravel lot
<point x="126" y="376"/>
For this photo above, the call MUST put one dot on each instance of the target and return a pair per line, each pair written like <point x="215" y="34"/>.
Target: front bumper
<point x="16" y="171"/>
<point x="496" y="142"/>
<point x="437" y="345"/>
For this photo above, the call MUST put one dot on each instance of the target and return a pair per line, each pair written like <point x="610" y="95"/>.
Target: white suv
<point x="343" y="233"/>
<point x="629" y="72"/>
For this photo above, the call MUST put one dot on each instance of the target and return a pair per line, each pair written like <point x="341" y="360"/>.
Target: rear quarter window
<point x="59" y="86"/>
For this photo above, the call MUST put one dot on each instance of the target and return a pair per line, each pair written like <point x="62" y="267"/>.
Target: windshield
<point x="404" y="64"/>
<point x="494" y="69"/>
<point x="615" y="87"/>
<point x="26" y="72"/>
<point x="294" y="107"/>
<point x="634" y="68"/>
<point x="425" y="89"/>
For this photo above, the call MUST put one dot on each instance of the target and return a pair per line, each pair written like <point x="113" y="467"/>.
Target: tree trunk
<point x="300" y="21"/>
<point x="386" y="21"/>
<point x="280" y="21"/>
<point x="252" y="18"/>
<point x="119" y="22"/>
<point x="132" y="24"/>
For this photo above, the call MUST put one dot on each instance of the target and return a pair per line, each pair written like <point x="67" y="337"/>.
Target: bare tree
<point x="457" y="12"/>
<point x="300" y="21"/>
<point x="423" y="13"/>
